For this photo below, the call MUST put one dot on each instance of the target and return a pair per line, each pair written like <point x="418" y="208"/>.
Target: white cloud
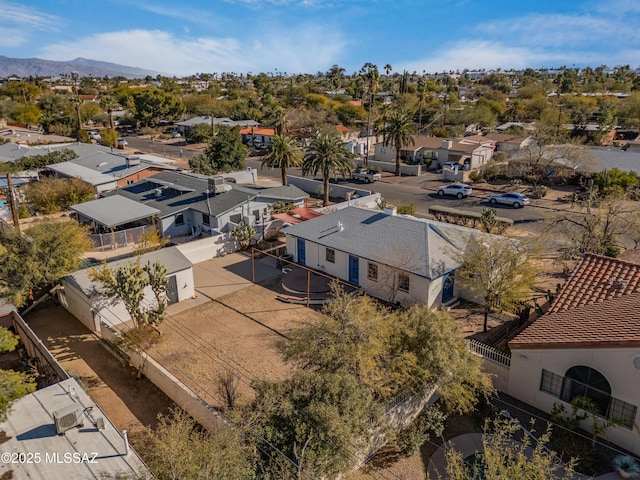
<point x="559" y="31"/>
<point x="11" y="37"/>
<point x="16" y="14"/>
<point x="491" y="55"/>
<point x="301" y="49"/>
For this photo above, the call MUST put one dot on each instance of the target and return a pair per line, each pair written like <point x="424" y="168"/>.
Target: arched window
<point x="587" y="382"/>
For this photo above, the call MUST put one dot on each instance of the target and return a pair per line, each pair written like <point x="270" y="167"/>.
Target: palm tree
<point x="327" y="155"/>
<point x="282" y="153"/>
<point x="109" y="104"/>
<point x="399" y="132"/>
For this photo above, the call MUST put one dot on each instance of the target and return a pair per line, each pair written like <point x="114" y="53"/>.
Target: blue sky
<point x="293" y="36"/>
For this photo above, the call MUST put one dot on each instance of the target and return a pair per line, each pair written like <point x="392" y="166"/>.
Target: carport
<point x="116" y="215"/>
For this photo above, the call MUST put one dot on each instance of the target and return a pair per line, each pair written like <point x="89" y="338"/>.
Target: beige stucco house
<point x="439" y="151"/>
<point x="588" y="343"/>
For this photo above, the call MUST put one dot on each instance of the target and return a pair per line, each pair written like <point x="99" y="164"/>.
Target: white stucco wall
<point x="185" y="284"/>
<point x="616" y="364"/>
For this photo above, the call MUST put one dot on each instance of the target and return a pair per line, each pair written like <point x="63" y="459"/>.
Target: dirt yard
<point x="129" y="402"/>
<point x="236" y="333"/>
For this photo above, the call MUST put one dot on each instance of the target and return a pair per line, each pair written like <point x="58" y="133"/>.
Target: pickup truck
<point x="364" y="174"/>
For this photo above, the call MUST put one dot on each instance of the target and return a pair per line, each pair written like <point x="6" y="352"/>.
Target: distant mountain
<point x="25" y="67"/>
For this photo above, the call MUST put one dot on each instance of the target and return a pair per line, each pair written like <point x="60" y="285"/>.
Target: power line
<point x="204" y="390"/>
<point x="209" y="350"/>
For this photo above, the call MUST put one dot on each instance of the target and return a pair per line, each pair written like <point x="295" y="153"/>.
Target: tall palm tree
<point x="282" y="153"/>
<point x="109" y="104"/>
<point x="399" y="132"/>
<point x="327" y="155"/>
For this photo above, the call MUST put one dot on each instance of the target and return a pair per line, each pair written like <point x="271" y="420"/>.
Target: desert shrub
<point x="50" y="195"/>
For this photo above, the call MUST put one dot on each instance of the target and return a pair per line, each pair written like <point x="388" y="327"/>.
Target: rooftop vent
<point x="133" y="160"/>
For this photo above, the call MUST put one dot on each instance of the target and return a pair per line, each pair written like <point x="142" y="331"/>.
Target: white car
<point x="515" y="199"/>
<point x="459" y="190"/>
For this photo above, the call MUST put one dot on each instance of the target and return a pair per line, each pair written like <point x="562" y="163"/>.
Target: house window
<point x="180" y="219"/>
<point x="403" y="282"/>
<point x="130" y="182"/>
<point x="623" y="412"/>
<point x="551" y="383"/>
<point x="588" y="382"/>
<point x="372" y="272"/>
<point x="331" y="255"/>
<point x="236" y="218"/>
<point x="205" y="220"/>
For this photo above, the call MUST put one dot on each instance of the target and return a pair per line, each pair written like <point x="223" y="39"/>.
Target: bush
<point x="475" y="176"/>
<point x="407" y="209"/>
<point x="51" y="195"/>
<point x="615" y="181"/>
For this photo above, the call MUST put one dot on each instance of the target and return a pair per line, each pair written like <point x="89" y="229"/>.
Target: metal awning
<point x="114" y="210"/>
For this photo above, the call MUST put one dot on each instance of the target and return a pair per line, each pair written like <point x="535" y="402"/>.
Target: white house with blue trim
<point x="397" y="258"/>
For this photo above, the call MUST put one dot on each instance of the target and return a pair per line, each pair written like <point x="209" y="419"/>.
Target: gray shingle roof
<point x="287" y="193"/>
<point x="424" y="247"/>
<point x="114" y="210"/>
<point x="192" y="194"/>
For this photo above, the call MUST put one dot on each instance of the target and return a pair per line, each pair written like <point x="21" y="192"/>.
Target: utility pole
<point x="12" y="199"/>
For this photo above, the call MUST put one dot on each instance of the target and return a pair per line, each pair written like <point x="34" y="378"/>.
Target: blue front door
<point x="301" y="252"/>
<point x="354" y="270"/>
<point x="447" y="286"/>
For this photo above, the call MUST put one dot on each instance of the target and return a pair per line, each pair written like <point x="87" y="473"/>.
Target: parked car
<point x="515" y="199"/>
<point x="459" y="190"/>
<point x="122" y="143"/>
<point x="366" y="175"/>
<point x="176" y="135"/>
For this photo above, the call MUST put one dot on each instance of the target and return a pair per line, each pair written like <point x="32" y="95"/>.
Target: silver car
<point x="456" y="189"/>
<point x="515" y="199"/>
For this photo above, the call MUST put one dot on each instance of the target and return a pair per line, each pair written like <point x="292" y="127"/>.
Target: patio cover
<point x="114" y="210"/>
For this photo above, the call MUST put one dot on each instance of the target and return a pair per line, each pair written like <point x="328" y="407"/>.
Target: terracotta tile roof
<point x="611" y="323"/>
<point x="596" y="278"/>
<point x="269" y="132"/>
<point x="596" y="307"/>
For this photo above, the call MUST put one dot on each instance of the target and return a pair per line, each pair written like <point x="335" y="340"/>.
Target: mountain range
<point x="25" y="67"/>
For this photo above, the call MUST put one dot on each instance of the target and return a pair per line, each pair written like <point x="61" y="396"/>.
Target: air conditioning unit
<point x="216" y="185"/>
<point x="67" y="418"/>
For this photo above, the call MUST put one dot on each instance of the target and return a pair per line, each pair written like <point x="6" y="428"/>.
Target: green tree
<point x="389" y="353"/>
<point x="13" y="385"/>
<point x="36" y="261"/>
<point x="127" y="283"/>
<point x="200" y="133"/>
<point x="507" y="454"/>
<point x="153" y="105"/>
<point x="497" y="271"/>
<point x="327" y="155"/>
<point x="283" y="153"/>
<point x="51" y="195"/>
<point x="179" y="449"/>
<point x="225" y="153"/>
<point x="38" y="162"/>
<point x="28" y="114"/>
<point x="319" y="420"/>
<point x="109" y="137"/>
<point x="399" y="133"/>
